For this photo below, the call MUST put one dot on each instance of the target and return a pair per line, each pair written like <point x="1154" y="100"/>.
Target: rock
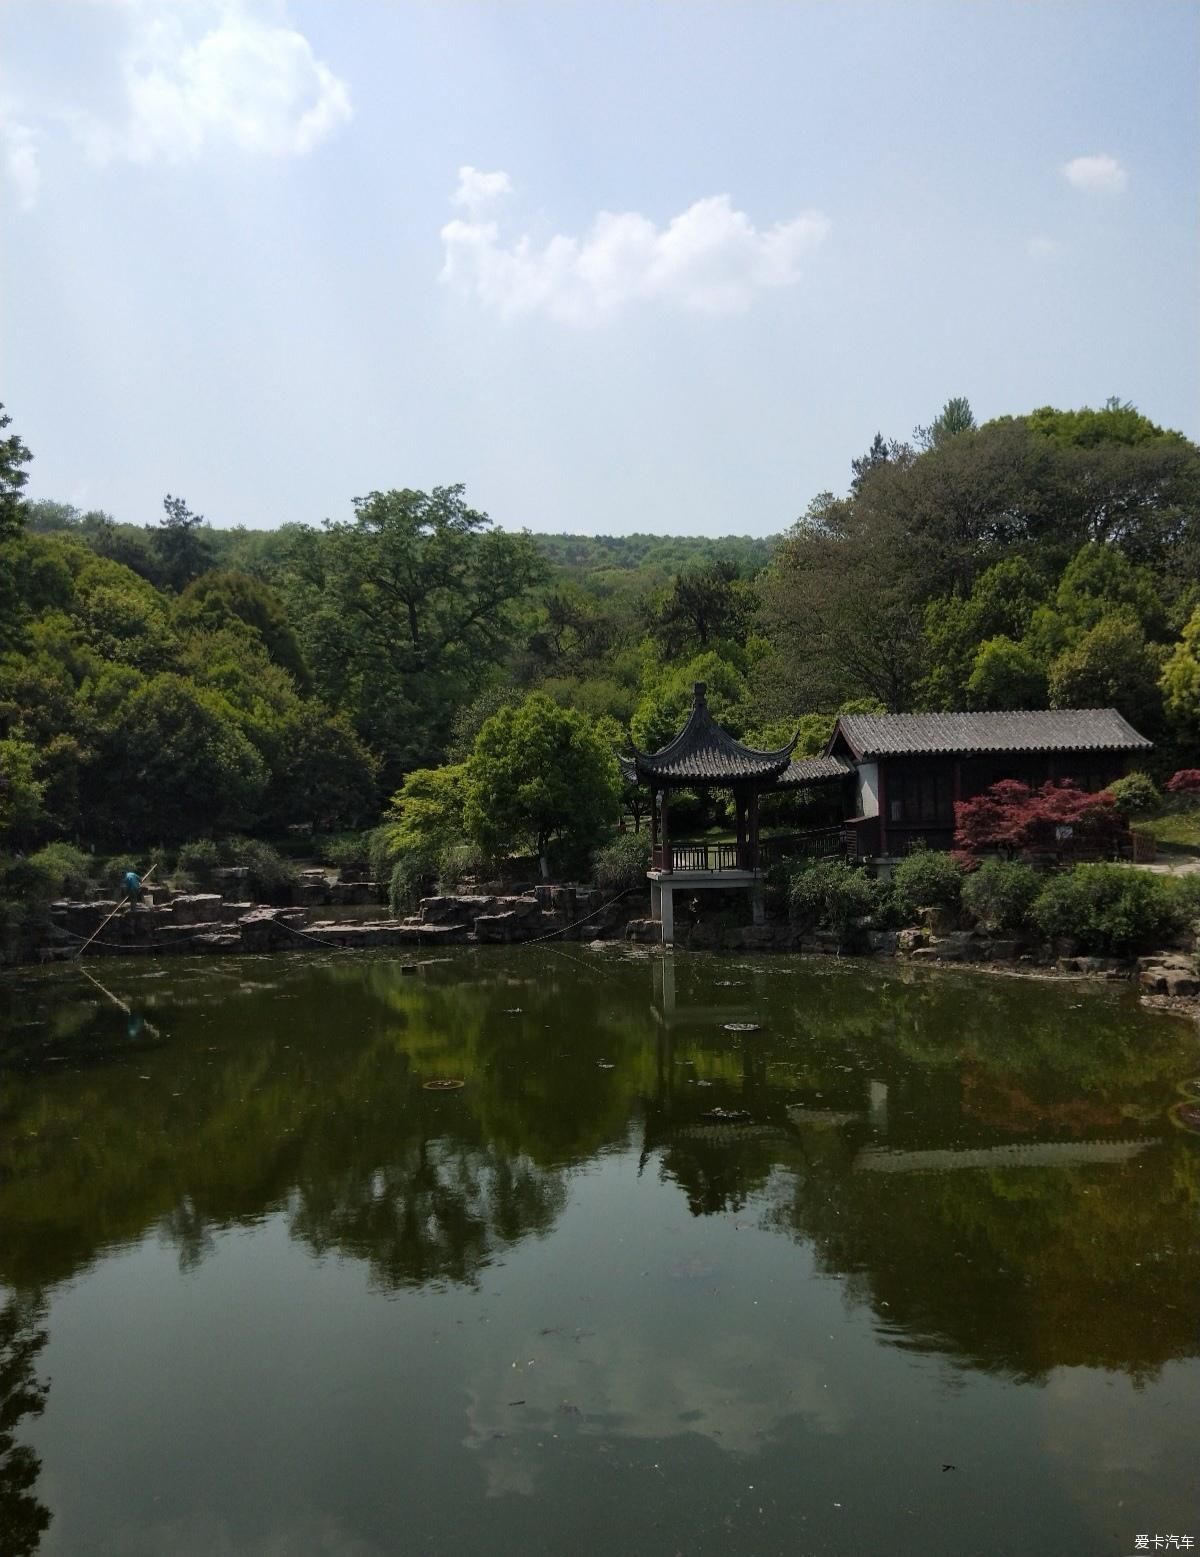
<point x="312" y="893"/>
<point x="938" y="921"/>
<point x="648" y="931"/>
<point x="232" y="912"/>
<point x="948" y="948"/>
<point x="361" y="872"/>
<point x="1068" y="965"/>
<point x="884" y="943"/>
<point x="455" y="910"/>
<point x="216" y="941"/>
<point x="908" y="941"/>
<point x="1003" y="951"/>
<point x="1176" y="977"/>
<point x="505" y="928"/>
<point x="196" y="907"/>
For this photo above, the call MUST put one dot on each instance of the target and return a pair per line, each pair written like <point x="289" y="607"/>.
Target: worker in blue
<point x="133" y="884"/>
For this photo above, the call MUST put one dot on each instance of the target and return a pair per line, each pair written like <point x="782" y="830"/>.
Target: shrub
<point x="1185" y="783"/>
<point x="460" y="862"/>
<point x="412" y="875"/>
<point x="354" y="850"/>
<point x="68" y="868"/>
<point x="1111" y="910"/>
<point x="831" y="895"/>
<point x="621" y="865"/>
<point x="270" y="878"/>
<point x="197" y="861"/>
<point x="927" y="879"/>
<point x="1135" y="795"/>
<point x="1000" y="894"/>
<point x="1015" y="819"/>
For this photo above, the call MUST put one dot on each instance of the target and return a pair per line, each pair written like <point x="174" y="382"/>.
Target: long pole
<point x="114" y="913"/>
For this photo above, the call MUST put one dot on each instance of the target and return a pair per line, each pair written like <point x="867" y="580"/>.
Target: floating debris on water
<point x="743" y="1027"/>
<point x="443" y="1084"/>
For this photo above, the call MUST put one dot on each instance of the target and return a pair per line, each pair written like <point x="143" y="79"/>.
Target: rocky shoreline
<point x="198" y="923"/>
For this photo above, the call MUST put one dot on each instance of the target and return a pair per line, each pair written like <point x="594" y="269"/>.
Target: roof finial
<point x="699" y="688"/>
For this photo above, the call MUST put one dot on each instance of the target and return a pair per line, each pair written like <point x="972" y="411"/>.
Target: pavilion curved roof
<point x="703" y="753"/>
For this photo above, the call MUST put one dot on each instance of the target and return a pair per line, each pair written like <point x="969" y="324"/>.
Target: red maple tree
<point x="1013" y="818"/>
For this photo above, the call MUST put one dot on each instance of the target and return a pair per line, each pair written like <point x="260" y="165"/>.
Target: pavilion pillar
<point x="739" y="811"/>
<point x="666" y="912"/>
<point x="666" y="831"/>
<point x="753" y="861"/>
<point x="653" y="823"/>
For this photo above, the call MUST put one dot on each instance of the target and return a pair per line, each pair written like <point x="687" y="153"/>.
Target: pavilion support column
<point x="653" y="822"/>
<point x="758" y="908"/>
<point x="739" y="811"/>
<point x="655" y="900"/>
<point x="666" y="912"/>
<point x="883" y="805"/>
<point x="666" y="829"/>
<point x="753" y="861"/>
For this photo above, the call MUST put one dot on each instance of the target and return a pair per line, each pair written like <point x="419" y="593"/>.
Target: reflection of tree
<point x="23" y="1519"/>
<point x="296" y="1090"/>
<point x="438" y="1213"/>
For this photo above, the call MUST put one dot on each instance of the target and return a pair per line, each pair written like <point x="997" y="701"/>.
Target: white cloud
<point x="476" y="189"/>
<point x="709" y="259"/>
<point x="21" y="161"/>
<point x="1102" y="175"/>
<point x="235" y="80"/>
<point x="1042" y="247"/>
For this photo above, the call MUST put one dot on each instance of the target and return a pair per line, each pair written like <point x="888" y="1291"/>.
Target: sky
<point x="614" y="266"/>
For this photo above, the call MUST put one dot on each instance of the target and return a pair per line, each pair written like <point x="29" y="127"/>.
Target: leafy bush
<point x="412" y="875"/>
<point x="270" y="878"/>
<point x="353" y="850"/>
<point x="1185" y="783"/>
<point x="831" y="895"/>
<point x="197" y="861"/>
<point x="460" y="862"/>
<point x="1135" y="795"/>
<point x="1000" y="894"/>
<point x="927" y="879"/>
<point x="69" y="868"/>
<point x="621" y="865"/>
<point x="1015" y="819"/>
<point x="1111" y="910"/>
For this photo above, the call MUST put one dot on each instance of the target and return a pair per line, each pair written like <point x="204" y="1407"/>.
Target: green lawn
<point x="1175" y="832"/>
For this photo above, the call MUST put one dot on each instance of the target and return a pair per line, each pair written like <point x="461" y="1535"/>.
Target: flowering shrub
<point x="1185" y="782"/>
<point x="1012" y="818"/>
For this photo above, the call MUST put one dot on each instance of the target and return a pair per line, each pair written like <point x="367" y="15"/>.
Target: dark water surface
<point x="266" y="1293"/>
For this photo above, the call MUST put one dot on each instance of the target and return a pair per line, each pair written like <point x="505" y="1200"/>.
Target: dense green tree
<point x="540" y="772"/>
<point x="1001" y="605"/>
<point x="426" y="813"/>
<point x="663" y="710"/>
<point x="326" y="776"/>
<point x="181" y="543"/>
<point x="702" y="606"/>
<point x="405" y="611"/>
<point x="177" y="765"/>
<point x="21" y="793"/>
<point x="1180" y="683"/>
<point x="1005" y="674"/>
<point x="14" y="456"/>
<point x="1109" y="666"/>
<point x="218" y="598"/>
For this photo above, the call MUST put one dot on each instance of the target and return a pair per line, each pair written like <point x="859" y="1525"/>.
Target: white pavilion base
<point x="664" y="884"/>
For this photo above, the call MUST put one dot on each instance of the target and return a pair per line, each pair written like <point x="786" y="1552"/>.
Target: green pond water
<point x="264" y="1292"/>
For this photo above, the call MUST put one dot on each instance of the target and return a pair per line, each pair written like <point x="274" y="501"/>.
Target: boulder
<point x="196" y="907"/>
<point x="884" y="943"/>
<point x="648" y="931"/>
<point x="456" y="910"/>
<point x="907" y="941"/>
<point x="1175" y="976"/>
<point x="505" y="927"/>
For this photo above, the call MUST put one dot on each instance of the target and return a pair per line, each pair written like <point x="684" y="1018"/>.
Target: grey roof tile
<point x="703" y="753"/>
<point x="1055" y="729"/>
<point x="814" y="770"/>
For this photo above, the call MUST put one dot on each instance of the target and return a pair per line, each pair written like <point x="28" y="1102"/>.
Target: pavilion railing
<point x="701" y="857"/>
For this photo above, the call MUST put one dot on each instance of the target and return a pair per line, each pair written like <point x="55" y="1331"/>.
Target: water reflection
<point x="23" y="1518"/>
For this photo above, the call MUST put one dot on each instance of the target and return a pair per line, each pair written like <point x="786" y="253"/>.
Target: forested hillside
<point x="173" y="680"/>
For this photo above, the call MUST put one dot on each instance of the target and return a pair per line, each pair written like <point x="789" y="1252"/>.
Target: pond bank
<point x="208" y="923"/>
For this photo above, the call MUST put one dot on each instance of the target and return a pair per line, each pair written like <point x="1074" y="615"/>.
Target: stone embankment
<point x="198" y="922"/>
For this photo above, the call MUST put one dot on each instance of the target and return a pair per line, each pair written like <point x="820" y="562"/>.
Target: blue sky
<point x="614" y="266"/>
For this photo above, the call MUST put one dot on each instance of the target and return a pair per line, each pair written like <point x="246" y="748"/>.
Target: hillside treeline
<point x="176" y="679"/>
